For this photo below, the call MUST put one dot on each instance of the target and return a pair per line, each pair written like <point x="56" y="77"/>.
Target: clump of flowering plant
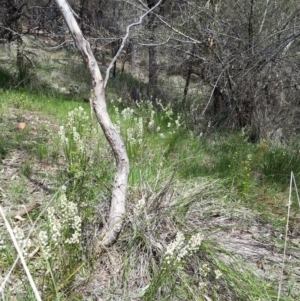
<point x="74" y="139"/>
<point x="61" y="241"/>
<point x="179" y="249"/>
<point x="172" y="260"/>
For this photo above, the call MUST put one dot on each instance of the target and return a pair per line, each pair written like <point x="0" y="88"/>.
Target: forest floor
<point x="26" y="177"/>
<point x="29" y="176"/>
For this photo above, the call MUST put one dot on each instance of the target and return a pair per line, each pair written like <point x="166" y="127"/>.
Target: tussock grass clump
<point x="164" y="251"/>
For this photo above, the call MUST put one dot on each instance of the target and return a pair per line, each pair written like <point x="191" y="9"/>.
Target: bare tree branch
<point x="264" y="18"/>
<point x="119" y="191"/>
<point x="124" y="39"/>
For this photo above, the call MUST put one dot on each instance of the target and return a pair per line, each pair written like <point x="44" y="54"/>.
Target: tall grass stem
<point x="13" y="238"/>
<point x="292" y="180"/>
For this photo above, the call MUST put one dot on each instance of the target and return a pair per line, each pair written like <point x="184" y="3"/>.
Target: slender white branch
<point x="264" y="18"/>
<point x="33" y="228"/>
<point x="119" y="191"/>
<point x="124" y="39"/>
<point x="292" y="179"/>
<point x="13" y="238"/>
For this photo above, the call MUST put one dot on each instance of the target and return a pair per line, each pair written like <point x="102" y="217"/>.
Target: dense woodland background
<point x="238" y="59"/>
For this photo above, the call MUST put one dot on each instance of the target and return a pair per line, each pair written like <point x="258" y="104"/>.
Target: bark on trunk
<point x="186" y="87"/>
<point x="250" y="28"/>
<point x="119" y="190"/>
<point x="132" y="50"/>
<point x="153" y="72"/>
<point x="153" y="65"/>
<point x="188" y="77"/>
<point x="115" y="47"/>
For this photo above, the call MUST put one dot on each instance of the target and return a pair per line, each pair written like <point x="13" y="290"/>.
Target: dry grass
<point x="231" y="235"/>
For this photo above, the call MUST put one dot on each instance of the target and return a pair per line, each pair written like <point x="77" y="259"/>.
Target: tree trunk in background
<point x="117" y="209"/>
<point x="20" y="60"/>
<point x="115" y="47"/>
<point x="132" y="49"/>
<point x="250" y="28"/>
<point x="188" y="77"/>
<point x="153" y="66"/>
<point x="153" y="71"/>
<point x="186" y="87"/>
<point x="82" y="16"/>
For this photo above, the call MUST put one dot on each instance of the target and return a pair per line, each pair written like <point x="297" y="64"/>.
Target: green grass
<point x="177" y="182"/>
<point x="226" y="157"/>
<point x="58" y="105"/>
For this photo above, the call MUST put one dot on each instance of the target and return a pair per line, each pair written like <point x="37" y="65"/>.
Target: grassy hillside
<point x="205" y="216"/>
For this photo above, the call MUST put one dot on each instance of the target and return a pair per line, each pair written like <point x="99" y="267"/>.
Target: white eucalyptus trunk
<point x="119" y="190"/>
